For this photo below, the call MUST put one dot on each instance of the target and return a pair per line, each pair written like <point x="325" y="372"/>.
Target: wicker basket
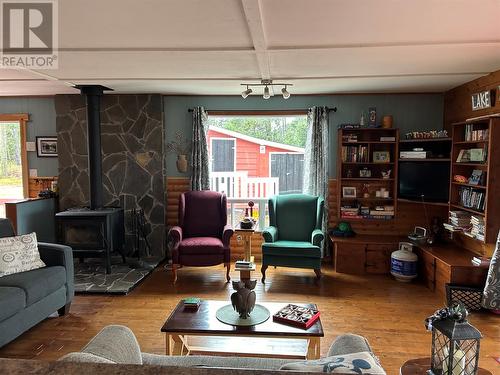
<point x="471" y="297"/>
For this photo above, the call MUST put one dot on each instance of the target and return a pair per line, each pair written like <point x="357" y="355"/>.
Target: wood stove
<point x="95" y="230"/>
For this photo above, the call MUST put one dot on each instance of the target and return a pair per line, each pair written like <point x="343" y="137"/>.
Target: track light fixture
<point x="247" y="92"/>
<point x="266" y="83"/>
<point x="285" y="93"/>
<point x="266" y="95"/>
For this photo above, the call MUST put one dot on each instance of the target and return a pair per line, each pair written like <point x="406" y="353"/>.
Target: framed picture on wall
<point x="46" y="147"/>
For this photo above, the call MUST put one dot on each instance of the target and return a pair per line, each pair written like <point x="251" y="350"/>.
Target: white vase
<point x="182" y="163"/>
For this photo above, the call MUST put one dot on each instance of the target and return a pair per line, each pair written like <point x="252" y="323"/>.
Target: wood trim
<point x="14" y="117"/>
<point x="22" y="119"/>
<point x="24" y="159"/>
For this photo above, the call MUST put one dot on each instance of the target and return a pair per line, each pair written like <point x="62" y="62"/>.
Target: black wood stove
<point x="95" y="230"/>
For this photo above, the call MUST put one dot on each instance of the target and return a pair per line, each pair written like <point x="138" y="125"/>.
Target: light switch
<point x="33" y="172"/>
<point x="30" y="146"/>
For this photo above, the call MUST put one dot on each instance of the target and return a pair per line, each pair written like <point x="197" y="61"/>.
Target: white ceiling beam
<point x="253" y="17"/>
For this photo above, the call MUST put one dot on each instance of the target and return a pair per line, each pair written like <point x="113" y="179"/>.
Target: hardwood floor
<point x="389" y="314"/>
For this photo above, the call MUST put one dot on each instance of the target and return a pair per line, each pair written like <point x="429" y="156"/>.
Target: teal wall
<point x="42" y="123"/>
<point x="410" y="111"/>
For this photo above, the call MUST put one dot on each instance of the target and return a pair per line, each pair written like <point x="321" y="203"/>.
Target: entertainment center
<point x="454" y="178"/>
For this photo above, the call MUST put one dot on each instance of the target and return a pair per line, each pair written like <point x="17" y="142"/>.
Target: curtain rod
<point x="334" y="109"/>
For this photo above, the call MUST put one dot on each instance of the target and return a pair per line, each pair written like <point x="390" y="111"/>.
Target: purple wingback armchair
<point x="202" y="236"/>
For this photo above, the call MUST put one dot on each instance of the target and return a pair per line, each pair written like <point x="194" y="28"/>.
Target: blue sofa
<point x="27" y="298"/>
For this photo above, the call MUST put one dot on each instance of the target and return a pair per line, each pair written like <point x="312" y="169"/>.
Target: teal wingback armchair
<point x="294" y="236"/>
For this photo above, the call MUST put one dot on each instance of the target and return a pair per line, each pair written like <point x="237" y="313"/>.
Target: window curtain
<point x="200" y="179"/>
<point x="316" y="159"/>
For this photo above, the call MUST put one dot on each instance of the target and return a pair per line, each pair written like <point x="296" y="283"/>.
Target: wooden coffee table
<point x="181" y="324"/>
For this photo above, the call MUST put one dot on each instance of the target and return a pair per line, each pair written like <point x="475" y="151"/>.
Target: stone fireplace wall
<point x="132" y="158"/>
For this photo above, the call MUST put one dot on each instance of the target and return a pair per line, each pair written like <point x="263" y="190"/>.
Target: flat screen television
<point x="430" y="179"/>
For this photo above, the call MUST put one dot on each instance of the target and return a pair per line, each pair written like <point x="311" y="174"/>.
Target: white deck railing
<point x="239" y="185"/>
<point x="239" y="189"/>
<point x="237" y="208"/>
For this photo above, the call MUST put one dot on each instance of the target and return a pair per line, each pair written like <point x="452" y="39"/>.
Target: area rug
<point x="91" y="277"/>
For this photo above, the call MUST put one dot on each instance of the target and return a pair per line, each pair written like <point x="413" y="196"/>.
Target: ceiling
<point x="209" y="47"/>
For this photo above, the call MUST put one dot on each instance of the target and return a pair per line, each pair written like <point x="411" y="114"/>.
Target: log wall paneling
<point x="457" y="101"/>
<point x="408" y="215"/>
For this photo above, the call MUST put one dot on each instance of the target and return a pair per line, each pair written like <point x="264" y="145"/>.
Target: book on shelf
<point x="463" y="156"/>
<point x="477" y="177"/>
<point x="478" y="227"/>
<point x="459" y="221"/>
<point x="350" y="138"/>
<point x="355" y="154"/>
<point x="477" y="155"/>
<point x="243" y="264"/>
<point x="298" y="316"/>
<point x="470" y="197"/>
<point x="481" y="261"/>
<point x="475" y="135"/>
<point x="387" y="139"/>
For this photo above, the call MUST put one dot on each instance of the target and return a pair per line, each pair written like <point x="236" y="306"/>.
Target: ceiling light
<point x="266" y="83"/>
<point x="285" y="93"/>
<point x="266" y="95"/>
<point x="245" y="93"/>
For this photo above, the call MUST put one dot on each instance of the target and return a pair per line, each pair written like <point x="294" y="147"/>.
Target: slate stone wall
<point x="132" y="158"/>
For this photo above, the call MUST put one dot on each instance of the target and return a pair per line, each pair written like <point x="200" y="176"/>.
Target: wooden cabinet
<point x="448" y="263"/>
<point x="437" y="266"/>
<point x="364" y="254"/>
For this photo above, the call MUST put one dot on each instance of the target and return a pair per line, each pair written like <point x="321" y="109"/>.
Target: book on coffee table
<point x="298" y="316"/>
<point x="192" y="303"/>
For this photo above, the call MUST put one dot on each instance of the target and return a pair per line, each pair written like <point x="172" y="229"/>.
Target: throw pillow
<point x="19" y="254"/>
<point x="354" y="363"/>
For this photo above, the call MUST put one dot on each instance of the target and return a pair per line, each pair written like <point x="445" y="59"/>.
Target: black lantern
<point x="455" y="343"/>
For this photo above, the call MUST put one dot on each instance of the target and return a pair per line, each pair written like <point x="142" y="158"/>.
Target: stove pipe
<point x="93" y="95"/>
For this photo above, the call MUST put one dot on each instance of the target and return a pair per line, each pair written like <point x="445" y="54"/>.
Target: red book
<point x="299" y="316"/>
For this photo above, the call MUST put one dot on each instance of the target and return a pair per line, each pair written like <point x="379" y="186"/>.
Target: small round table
<point x="420" y="366"/>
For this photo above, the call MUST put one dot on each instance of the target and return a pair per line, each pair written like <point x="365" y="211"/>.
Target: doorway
<point x="13" y="176"/>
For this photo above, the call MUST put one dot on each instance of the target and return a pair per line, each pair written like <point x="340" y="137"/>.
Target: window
<point x="11" y="171"/>
<point x="256" y="157"/>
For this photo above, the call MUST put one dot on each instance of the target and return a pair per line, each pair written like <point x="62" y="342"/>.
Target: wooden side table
<point x="246" y="236"/>
<point x="420" y="366"/>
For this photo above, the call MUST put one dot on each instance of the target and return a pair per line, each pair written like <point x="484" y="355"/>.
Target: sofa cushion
<point x="291" y="249"/>
<point x="201" y="245"/>
<point x="12" y="300"/>
<point x="214" y="361"/>
<point x="115" y="343"/>
<point x="6" y="229"/>
<point x="37" y="284"/>
<point x="354" y="363"/>
<point x="84" y="357"/>
<point x="19" y="254"/>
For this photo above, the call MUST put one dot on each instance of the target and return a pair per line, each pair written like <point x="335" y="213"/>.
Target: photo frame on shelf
<point x="365" y="173"/>
<point x="381" y="157"/>
<point x="349" y="192"/>
<point x="46" y="147"/>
